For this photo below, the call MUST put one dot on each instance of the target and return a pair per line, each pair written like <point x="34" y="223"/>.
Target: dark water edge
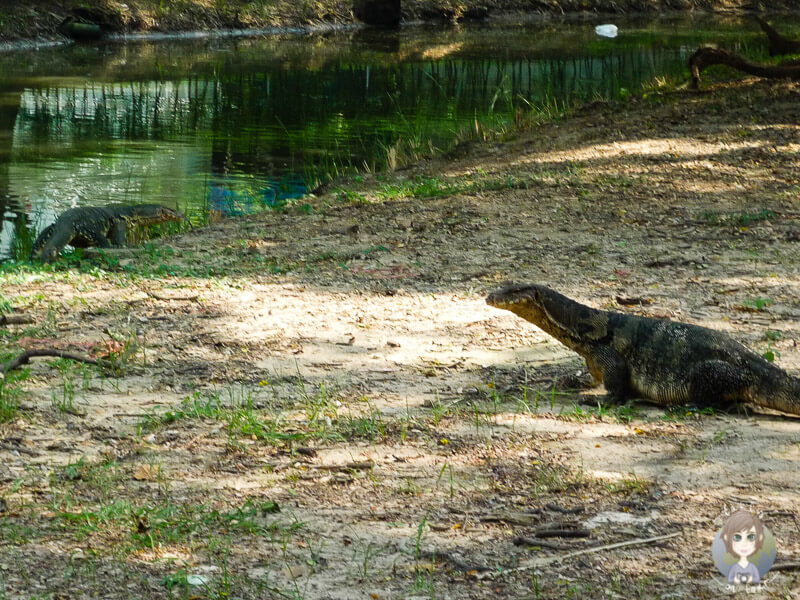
<point x="43" y="20"/>
<point x="232" y="125"/>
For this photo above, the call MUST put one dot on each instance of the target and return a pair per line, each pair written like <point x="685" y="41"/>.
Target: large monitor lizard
<point x="101" y="226"/>
<point x="657" y="359"/>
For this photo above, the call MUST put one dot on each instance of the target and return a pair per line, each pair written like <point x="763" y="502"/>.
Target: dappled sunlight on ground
<point x="664" y="148"/>
<point x="319" y="404"/>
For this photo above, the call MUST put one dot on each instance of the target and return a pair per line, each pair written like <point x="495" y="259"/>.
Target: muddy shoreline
<point x="43" y="22"/>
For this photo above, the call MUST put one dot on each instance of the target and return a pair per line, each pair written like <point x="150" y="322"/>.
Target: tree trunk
<point x="383" y="13"/>
<point x="777" y="43"/>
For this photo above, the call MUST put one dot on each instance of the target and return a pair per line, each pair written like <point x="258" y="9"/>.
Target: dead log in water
<point x="707" y="56"/>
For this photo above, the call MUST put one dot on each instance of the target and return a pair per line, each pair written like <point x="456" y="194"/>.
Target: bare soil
<point x="338" y="360"/>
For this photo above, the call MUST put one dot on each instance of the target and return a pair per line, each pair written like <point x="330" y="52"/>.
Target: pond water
<point x="239" y="124"/>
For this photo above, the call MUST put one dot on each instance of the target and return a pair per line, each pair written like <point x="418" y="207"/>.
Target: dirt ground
<point x="318" y="403"/>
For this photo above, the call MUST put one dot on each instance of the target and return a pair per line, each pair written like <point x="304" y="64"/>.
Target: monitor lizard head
<point x="43" y="248"/>
<point x="46" y="253"/>
<point x="570" y="322"/>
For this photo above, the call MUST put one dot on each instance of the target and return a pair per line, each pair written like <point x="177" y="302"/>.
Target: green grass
<point x="621" y="413"/>
<point x="170" y="523"/>
<point x="421" y="187"/>
<point x="75" y="378"/>
<point x="152" y="525"/>
<point x="371" y="426"/>
<point x="22" y="241"/>
<point x="737" y="219"/>
<point x="552" y="478"/>
<point x="684" y="413"/>
<point x="235" y="407"/>
<point x="770" y="354"/>
<point x="11" y="391"/>
<point x="757" y="304"/>
<point x="115" y="530"/>
<point x="194" y="407"/>
<point x="94" y="499"/>
<point x="329" y="416"/>
<point x="629" y="485"/>
<point x="67" y="269"/>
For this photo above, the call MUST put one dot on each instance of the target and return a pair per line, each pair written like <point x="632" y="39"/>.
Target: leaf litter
<point x="317" y="410"/>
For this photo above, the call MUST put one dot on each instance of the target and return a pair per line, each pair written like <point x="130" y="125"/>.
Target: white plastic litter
<point x="609" y="31"/>
<point x="197" y="580"/>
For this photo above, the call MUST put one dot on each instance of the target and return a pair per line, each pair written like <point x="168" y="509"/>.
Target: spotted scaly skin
<point x="101" y="226"/>
<point x="657" y="359"/>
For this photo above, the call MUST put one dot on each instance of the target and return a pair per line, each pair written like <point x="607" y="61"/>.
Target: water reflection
<point x="238" y="125"/>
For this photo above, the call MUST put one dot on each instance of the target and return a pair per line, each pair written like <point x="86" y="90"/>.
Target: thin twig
<point x="18" y="448"/>
<point x="563" y="533"/>
<point x="351" y="466"/>
<point x="542" y="562"/>
<point x="26" y="356"/>
<point x="567" y="511"/>
<point x="512" y="516"/>
<point x="532" y="541"/>
<point x="177" y="298"/>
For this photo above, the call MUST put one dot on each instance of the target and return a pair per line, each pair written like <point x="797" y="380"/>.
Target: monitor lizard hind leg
<point x="715" y="383"/>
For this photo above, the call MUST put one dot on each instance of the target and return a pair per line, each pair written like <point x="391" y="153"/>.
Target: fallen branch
<point x="707" y="56"/>
<point x="455" y="561"/>
<point x="543" y="562"/>
<point x="567" y="511"/>
<point x="787" y="566"/>
<point x="351" y="466"/>
<point x="26" y="356"/>
<point x="18" y="448"/>
<point x="176" y="298"/>
<point x="532" y="541"/>
<point x="15" y="319"/>
<point x="633" y="300"/>
<point x="512" y="517"/>
<point x="563" y="533"/>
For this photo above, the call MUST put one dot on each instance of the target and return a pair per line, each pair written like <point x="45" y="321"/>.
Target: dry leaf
<point x="147" y="473"/>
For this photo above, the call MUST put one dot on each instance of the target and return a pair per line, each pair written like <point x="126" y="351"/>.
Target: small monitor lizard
<point x="101" y="226"/>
